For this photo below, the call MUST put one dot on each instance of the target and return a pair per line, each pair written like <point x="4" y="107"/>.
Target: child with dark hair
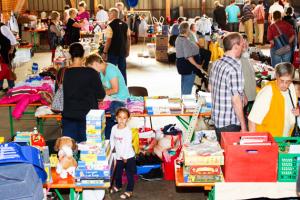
<point x="121" y="140"/>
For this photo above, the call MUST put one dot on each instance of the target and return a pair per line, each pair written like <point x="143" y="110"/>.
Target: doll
<point x="66" y="162"/>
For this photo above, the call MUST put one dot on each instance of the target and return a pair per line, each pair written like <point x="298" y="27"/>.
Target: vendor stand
<point x="68" y="183"/>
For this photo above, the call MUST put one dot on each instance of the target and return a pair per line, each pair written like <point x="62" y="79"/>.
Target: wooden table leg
<point x="11" y="122"/>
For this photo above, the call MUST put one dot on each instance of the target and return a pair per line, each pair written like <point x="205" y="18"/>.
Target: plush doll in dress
<point x="66" y="162"/>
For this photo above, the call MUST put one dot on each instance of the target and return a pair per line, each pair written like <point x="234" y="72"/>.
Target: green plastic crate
<point x="288" y="163"/>
<point x="211" y="194"/>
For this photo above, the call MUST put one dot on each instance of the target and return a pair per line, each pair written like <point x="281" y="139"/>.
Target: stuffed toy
<point x="170" y="139"/>
<point x="66" y="162"/>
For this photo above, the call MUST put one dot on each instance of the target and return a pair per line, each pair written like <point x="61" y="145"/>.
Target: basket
<point x="288" y="163"/>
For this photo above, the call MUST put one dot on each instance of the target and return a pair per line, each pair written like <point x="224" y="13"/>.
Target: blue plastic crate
<point x="144" y="169"/>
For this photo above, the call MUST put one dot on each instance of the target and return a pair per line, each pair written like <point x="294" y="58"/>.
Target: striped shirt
<point x="226" y="80"/>
<point x="247" y="12"/>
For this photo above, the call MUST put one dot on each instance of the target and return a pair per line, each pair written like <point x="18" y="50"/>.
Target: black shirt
<point x="291" y="20"/>
<point x="82" y="91"/>
<point x="119" y="39"/>
<point x="220" y="16"/>
<point x="73" y="32"/>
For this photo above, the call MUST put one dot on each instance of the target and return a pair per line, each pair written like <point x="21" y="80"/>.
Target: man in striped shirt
<point x="226" y="83"/>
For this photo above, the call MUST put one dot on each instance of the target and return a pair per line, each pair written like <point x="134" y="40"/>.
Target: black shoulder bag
<point x="296" y="131"/>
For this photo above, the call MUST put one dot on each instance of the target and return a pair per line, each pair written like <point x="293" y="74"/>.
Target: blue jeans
<point x="75" y="129"/>
<point x="10" y="83"/>
<point x="119" y="61"/>
<point x="130" y="169"/>
<point x="187" y="82"/>
<point x="275" y="59"/>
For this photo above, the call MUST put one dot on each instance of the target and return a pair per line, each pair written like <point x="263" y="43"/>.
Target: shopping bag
<point x="14" y="153"/>
<point x="281" y="43"/>
<point x="135" y="140"/>
<point x="168" y="165"/>
<point x="58" y="99"/>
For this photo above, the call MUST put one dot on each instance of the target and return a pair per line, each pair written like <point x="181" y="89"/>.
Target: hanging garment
<point x="13" y="24"/>
<point x="216" y="51"/>
<point x="204" y="25"/>
<point x="143" y="27"/>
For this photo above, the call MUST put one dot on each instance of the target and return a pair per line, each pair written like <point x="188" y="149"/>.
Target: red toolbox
<point x="249" y="163"/>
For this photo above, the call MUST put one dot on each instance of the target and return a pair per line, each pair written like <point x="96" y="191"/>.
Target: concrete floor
<point x="159" y="79"/>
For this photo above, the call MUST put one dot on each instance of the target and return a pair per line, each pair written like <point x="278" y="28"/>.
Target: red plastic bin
<point x="249" y="163"/>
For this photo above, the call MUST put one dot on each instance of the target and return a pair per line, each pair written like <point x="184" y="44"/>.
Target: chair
<point x="139" y="91"/>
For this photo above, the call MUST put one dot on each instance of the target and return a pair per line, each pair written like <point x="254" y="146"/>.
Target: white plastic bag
<point x="13" y="24"/>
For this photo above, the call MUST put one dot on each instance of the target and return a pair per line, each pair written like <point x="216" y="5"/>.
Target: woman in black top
<point x="82" y="91"/>
<point x="73" y="28"/>
<point x="220" y="15"/>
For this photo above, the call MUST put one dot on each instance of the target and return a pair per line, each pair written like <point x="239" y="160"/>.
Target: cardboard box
<point x="249" y="163"/>
<point x="161" y="55"/>
<point x="203" y="160"/>
<point x="202" y="178"/>
<point x="202" y="170"/>
<point x="162" y="40"/>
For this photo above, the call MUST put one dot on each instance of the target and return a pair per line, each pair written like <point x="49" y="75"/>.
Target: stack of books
<point x="96" y="158"/>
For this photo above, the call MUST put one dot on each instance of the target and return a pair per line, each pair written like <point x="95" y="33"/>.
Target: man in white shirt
<point x="275" y="7"/>
<point x="101" y="15"/>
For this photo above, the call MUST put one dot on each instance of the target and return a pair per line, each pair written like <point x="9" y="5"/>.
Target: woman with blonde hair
<point x="111" y="77"/>
<point x="220" y="15"/>
<point x="82" y="12"/>
<point x="73" y="28"/>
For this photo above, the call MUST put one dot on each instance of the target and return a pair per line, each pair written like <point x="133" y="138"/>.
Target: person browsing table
<point x="111" y="77"/>
<point x="82" y="90"/>
<point x="226" y="83"/>
<point x="187" y="58"/>
<point x="273" y="109"/>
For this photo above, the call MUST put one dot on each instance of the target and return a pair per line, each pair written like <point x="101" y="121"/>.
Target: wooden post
<point x="92" y="7"/>
<point x="73" y="4"/>
<point x="96" y="7"/>
<point x="168" y="8"/>
<point x="203" y="7"/>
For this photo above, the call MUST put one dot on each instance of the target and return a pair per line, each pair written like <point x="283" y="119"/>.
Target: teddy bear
<point x="66" y="162"/>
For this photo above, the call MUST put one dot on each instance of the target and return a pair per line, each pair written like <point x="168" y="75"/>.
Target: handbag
<point x="58" y="99"/>
<point x="281" y="43"/>
<point x="296" y="131"/>
<point x="260" y="18"/>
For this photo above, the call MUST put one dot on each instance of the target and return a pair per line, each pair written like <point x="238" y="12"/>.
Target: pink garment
<point x="83" y="15"/>
<point x="24" y="95"/>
